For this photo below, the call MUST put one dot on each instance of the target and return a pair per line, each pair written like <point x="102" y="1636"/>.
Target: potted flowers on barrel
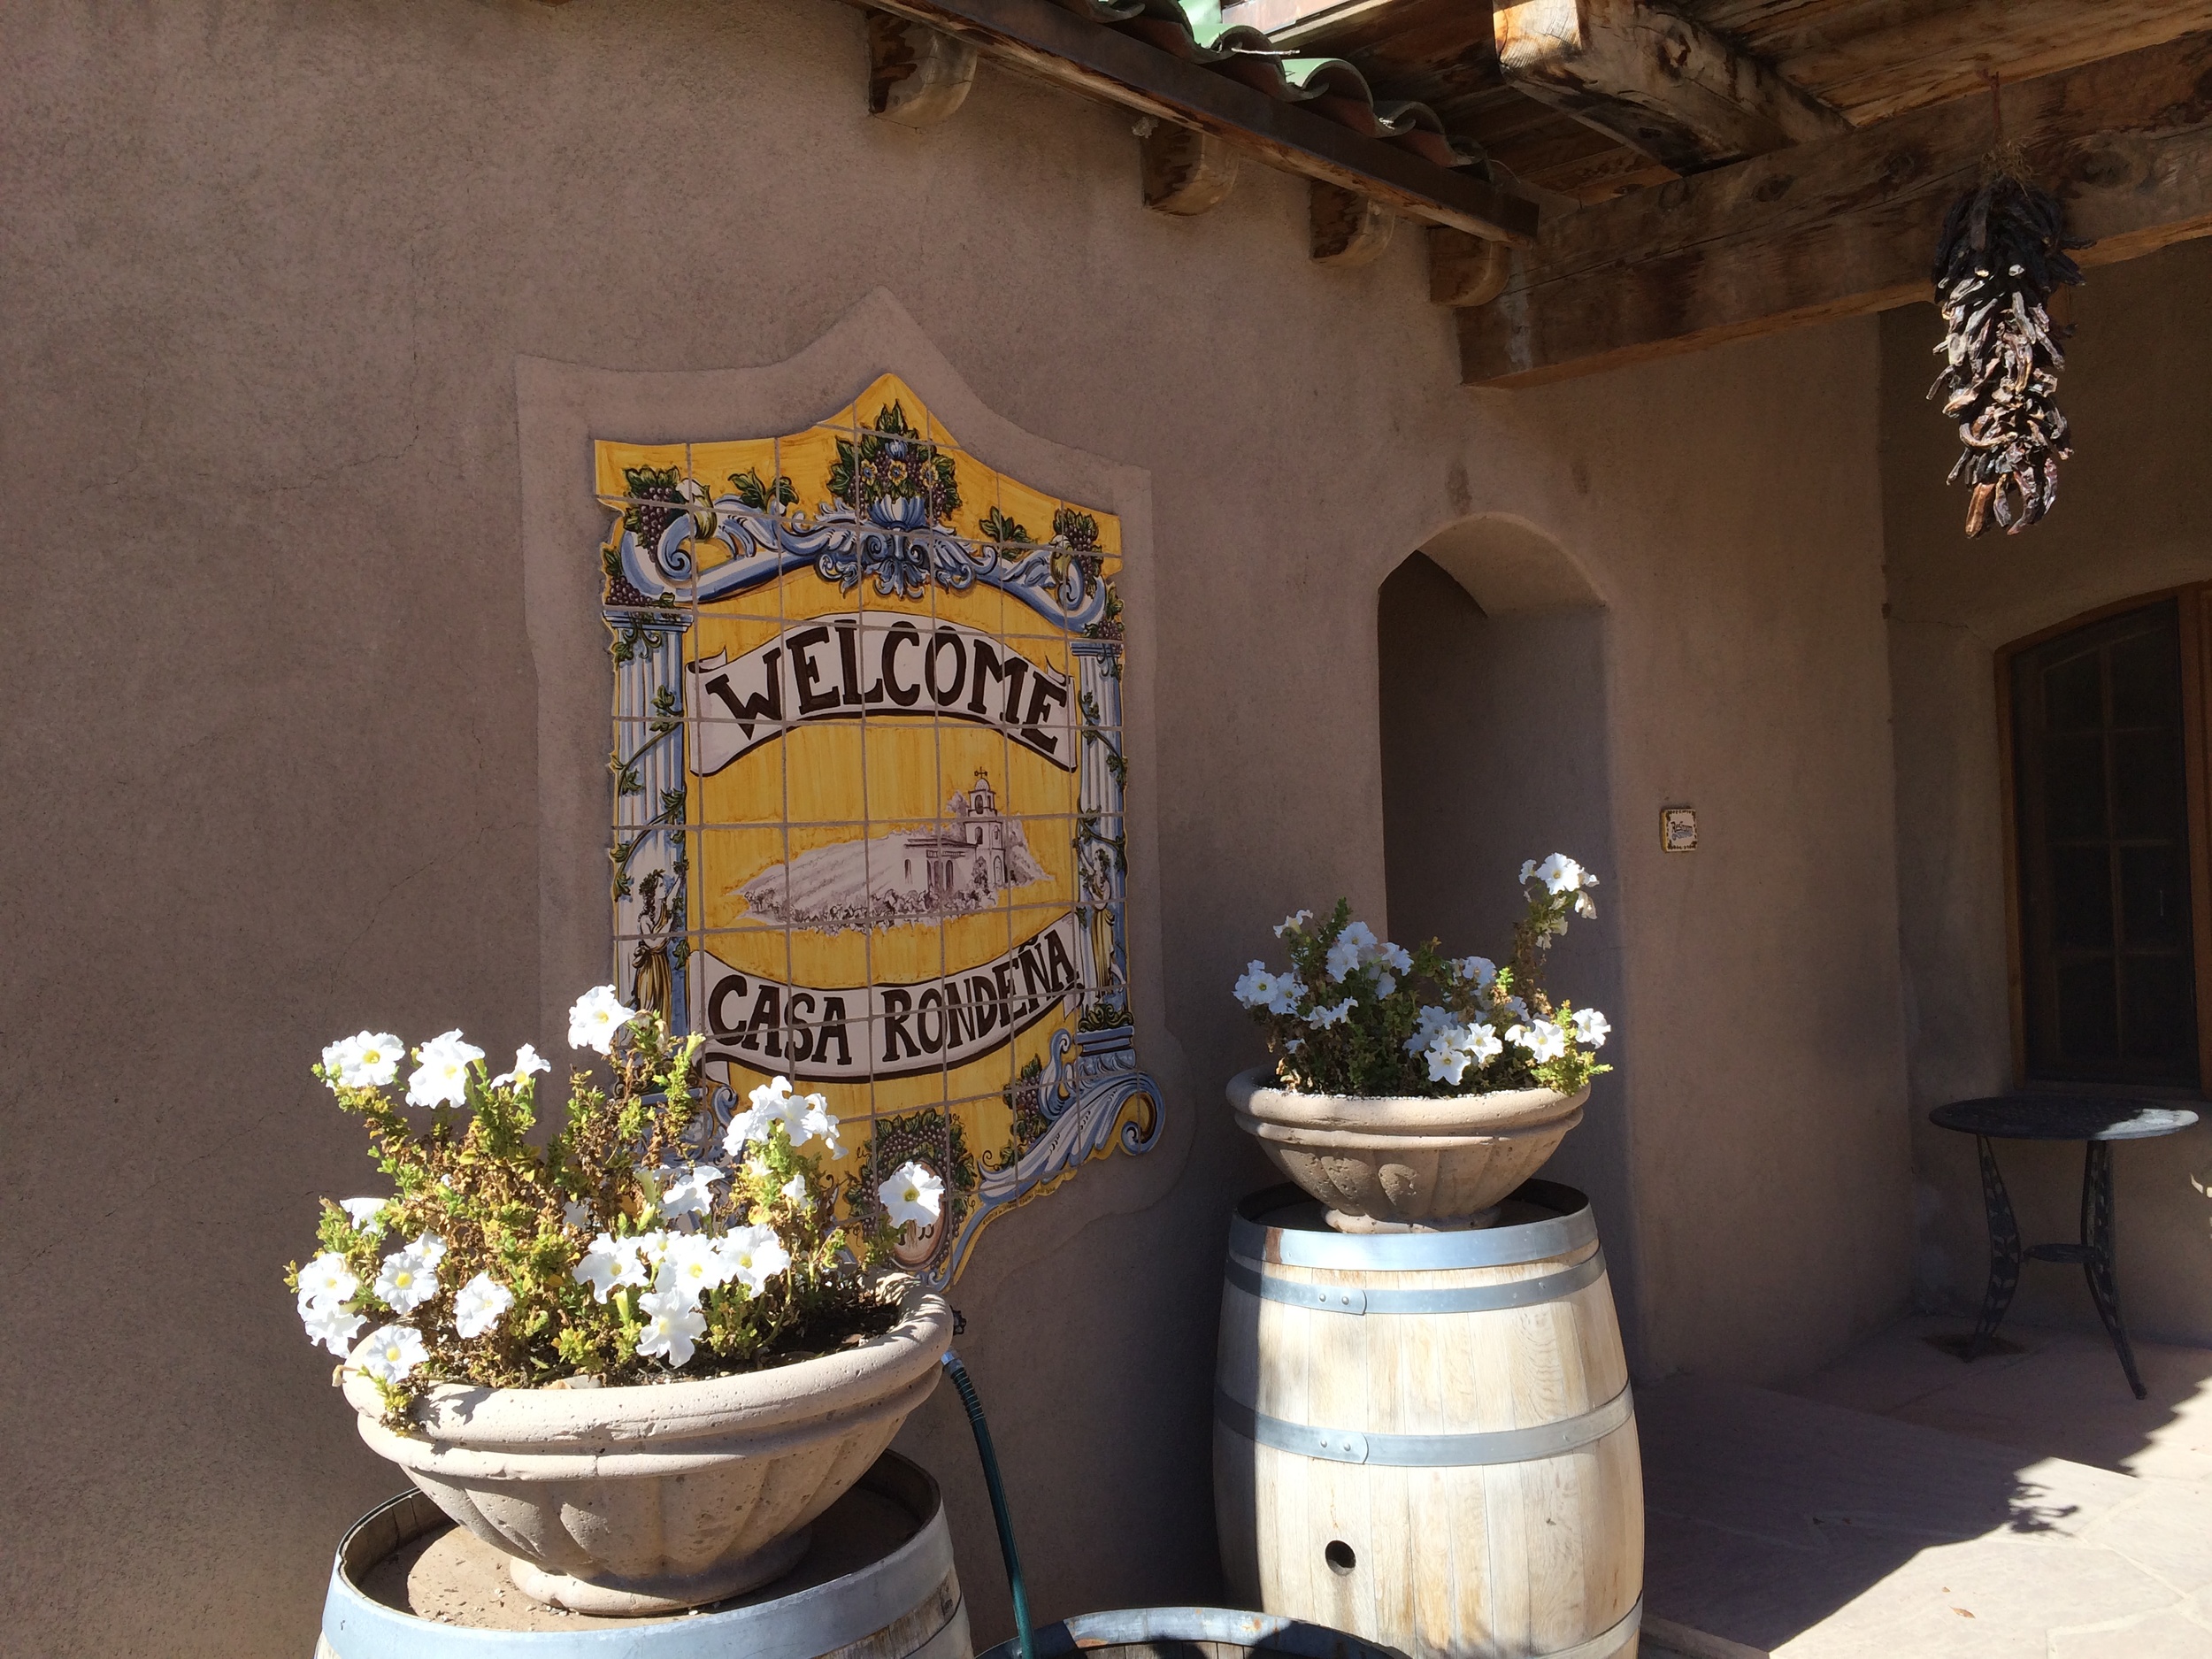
<point x="1411" y="1090"/>
<point x="638" y="1357"/>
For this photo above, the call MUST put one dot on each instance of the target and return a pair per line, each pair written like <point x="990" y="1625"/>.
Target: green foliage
<point x="524" y="1210"/>
<point x="756" y="493"/>
<point x="1358" y="1016"/>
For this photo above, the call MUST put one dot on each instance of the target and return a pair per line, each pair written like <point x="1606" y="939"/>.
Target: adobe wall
<point x="281" y="738"/>
<point x="2128" y="522"/>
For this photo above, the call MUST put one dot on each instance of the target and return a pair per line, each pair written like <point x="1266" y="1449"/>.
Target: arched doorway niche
<point x="1491" y="653"/>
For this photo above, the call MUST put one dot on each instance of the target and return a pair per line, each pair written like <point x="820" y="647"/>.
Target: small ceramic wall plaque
<point x="1678" y="829"/>
<point x="869" y="776"/>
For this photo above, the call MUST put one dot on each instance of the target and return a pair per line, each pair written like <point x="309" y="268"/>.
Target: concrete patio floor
<point x="1901" y="1502"/>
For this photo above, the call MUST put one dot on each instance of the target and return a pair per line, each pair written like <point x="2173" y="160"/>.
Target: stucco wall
<point x="1496" y="749"/>
<point x="273" y="717"/>
<point x="2138" y="388"/>
<point x="1725" y="509"/>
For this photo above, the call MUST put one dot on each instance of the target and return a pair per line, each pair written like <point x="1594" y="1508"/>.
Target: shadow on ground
<point x="2003" y="1521"/>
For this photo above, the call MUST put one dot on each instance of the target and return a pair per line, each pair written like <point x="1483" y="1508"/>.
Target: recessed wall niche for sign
<point x="869" y="772"/>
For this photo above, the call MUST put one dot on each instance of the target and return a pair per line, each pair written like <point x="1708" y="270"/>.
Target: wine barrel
<point x="877" y="1583"/>
<point x="1426" y="1439"/>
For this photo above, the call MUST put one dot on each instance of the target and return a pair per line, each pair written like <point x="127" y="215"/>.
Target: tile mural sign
<point x="868" y="783"/>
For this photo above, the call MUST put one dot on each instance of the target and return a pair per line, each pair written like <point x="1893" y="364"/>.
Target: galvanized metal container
<point x="1427" y="1438"/>
<point x="878" y="1583"/>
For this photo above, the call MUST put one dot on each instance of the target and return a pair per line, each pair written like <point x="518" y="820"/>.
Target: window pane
<point x="2081" y="898"/>
<point x="2088" y="1013"/>
<point x="2146" y="680"/>
<point x="2161" y="1017"/>
<point x="2101" y="821"/>
<point x="2147" y="791"/>
<point x="2073" y="694"/>
<point x="2155" y="896"/>
<point x="2073" y="786"/>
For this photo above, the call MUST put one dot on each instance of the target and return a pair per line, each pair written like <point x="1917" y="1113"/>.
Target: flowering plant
<point x="618" y="1250"/>
<point x="1357" y="1014"/>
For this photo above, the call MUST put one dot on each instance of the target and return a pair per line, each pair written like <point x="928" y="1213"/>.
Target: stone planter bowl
<point x="655" y="1498"/>
<point x="1389" y="1163"/>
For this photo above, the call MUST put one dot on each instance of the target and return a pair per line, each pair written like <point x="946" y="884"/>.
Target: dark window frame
<point x="2193" y="603"/>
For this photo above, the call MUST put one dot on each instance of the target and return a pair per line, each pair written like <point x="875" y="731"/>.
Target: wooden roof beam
<point x="1662" y="83"/>
<point x="1042" y="39"/>
<point x="1848" y="227"/>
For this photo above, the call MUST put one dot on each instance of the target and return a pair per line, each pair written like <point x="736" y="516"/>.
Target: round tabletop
<point x="2062" y="1118"/>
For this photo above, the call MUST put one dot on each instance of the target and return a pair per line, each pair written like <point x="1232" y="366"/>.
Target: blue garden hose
<point x="951" y="1362"/>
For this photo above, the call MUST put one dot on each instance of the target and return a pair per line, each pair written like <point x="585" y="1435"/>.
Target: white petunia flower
<point x="1542" y="1040"/>
<point x="1322" y="1019"/>
<point x="597" y="1019"/>
<point x="672" y="1324"/>
<point x="1584" y="906"/>
<point x="1396" y="957"/>
<point x="391" y="1352"/>
<point x="575" y="1213"/>
<point x="1355" y="945"/>
<point x="480" y="1304"/>
<point x="1428" y="1024"/>
<point x="812" y="1117"/>
<point x="772" y="1104"/>
<point x="1481" y="970"/>
<point x="1591" y="1027"/>
<point x="527" y="1063"/>
<point x="330" y="1324"/>
<point x="1448" y="1061"/>
<point x="326" y="1280"/>
<point x="1292" y="924"/>
<point x="1385" y="984"/>
<point x="794" y="1193"/>
<point x="1513" y="1006"/>
<point x="689" y="1191"/>
<point x="1528" y="871"/>
<point x="609" y="1264"/>
<point x="754" y="1255"/>
<point x="1256" y="986"/>
<point x="695" y="1265"/>
<point x="442" y="1073"/>
<point x="913" y="1194"/>
<point x="1560" y="874"/>
<point x="367" y="1060"/>
<point x="1288" y="993"/>
<point x="745" y="1126"/>
<point x="1455" y="1047"/>
<point x="362" y="1212"/>
<point x="409" y="1277"/>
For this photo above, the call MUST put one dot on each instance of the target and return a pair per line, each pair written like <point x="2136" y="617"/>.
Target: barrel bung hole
<point x="1340" y="1556"/>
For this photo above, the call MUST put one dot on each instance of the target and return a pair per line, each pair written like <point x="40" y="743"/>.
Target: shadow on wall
<point x="1491" y="647"/>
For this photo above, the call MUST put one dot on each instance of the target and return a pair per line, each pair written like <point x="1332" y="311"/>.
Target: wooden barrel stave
<point x="1533" y="1555"/>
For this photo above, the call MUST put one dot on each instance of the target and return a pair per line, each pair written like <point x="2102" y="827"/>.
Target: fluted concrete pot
<point x="655" y="1498"/>
<point x="1384" y="1163"/>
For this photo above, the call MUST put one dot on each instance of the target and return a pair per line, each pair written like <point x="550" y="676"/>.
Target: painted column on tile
<point x="868" y="784"/>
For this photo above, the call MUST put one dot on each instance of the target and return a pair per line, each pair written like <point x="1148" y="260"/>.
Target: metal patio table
<point x="2098" y="1121"/>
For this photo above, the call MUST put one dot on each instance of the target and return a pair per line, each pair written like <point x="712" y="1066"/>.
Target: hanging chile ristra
<point x="2001" y="257"/>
